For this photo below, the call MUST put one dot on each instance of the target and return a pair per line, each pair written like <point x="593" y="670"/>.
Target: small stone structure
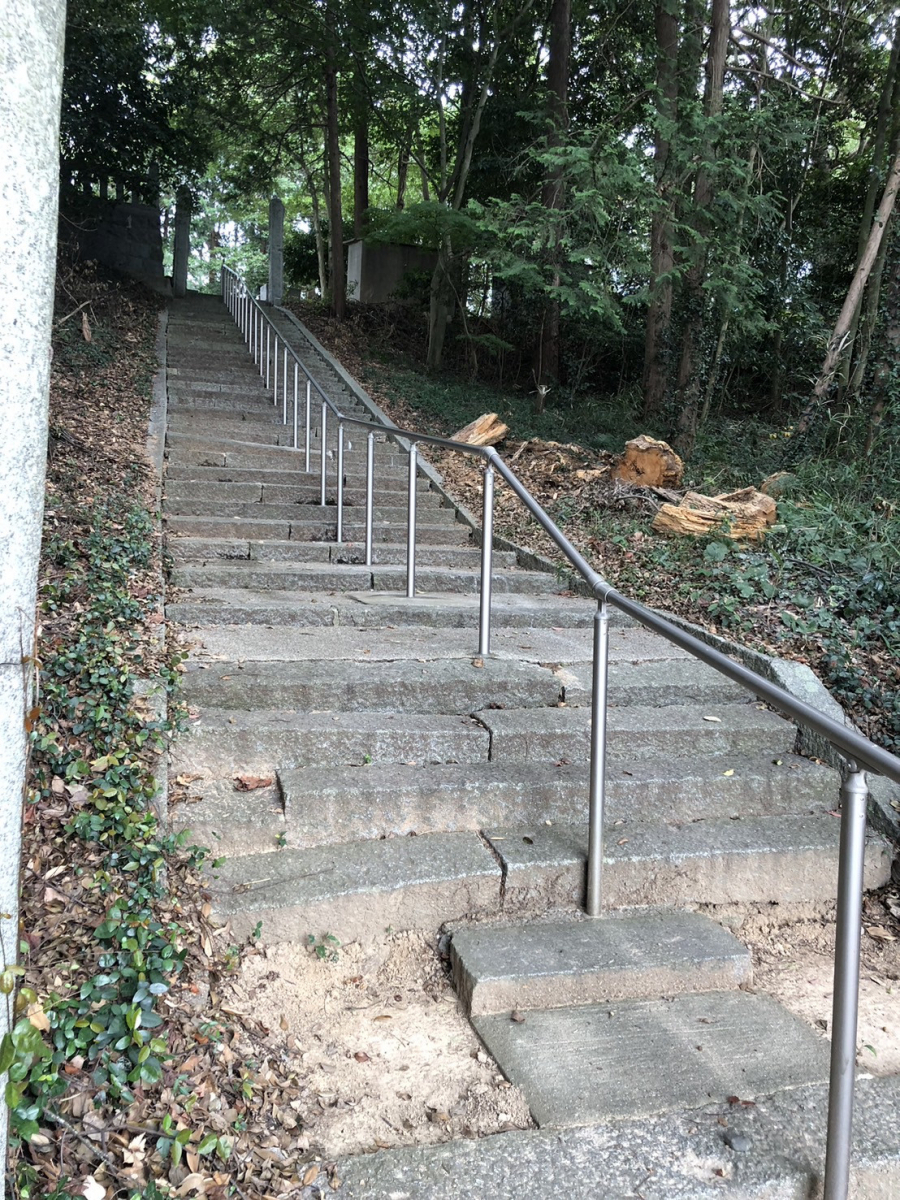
<point x="375" y="272"/>
<point x="123" y="236"/>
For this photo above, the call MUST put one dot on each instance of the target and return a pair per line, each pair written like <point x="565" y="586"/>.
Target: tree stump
<point x="649" y="463"/>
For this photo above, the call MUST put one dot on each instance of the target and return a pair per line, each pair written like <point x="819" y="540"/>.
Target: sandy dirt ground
<point x="376" y="1037"/>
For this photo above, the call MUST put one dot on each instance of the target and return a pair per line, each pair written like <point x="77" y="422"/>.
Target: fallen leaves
<point x="251" y="783"/>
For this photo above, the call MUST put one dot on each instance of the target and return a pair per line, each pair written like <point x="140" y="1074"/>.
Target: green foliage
<point x="89" y="733"/>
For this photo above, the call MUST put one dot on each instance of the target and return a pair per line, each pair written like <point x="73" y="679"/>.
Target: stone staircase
<point x="417" y="786"/>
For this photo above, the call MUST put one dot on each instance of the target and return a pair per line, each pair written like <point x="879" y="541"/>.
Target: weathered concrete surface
<point x="501" y="969"/>
<point x="358" y="889"/>
<point x="755" y="859"/>
<point x="637" y="731"/>
<point x="680" y="1156"/>
<point x="330" y="803"/>
<point x="31" y="51"/>
<point x="223" y="741"/>
<point x="594" y="1063"/>
<point x="457" y="686"/>
<point x="424" y="643"/>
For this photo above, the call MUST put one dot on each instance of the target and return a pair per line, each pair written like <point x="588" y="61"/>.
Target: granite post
<point x="276" y="251"/>
<point x="31" y="56"/>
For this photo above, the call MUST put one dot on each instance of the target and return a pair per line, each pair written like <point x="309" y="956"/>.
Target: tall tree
<point x="547" y="356"/>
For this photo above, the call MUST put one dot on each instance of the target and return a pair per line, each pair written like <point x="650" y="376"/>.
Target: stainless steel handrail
<point x="860" y="753"/>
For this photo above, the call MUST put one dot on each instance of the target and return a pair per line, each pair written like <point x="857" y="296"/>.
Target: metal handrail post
<point x="340" y="483"/>
<point x="487" y="555"/>
<point x="308" y="421"/>
<point x="268" y="353"/>
<point x="284" y="386"/>
<point x="274" y="364"/>
<point x="296" y="401"/>
<point x="411" y="525"/>
<point x="322" y="433"/>
<point x="370" y="486"/>
<point x="599" y="682"/>
<point x="845" y="1011"/>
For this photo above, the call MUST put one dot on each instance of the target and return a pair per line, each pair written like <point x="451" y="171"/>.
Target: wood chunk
<point x="485" y="430"/>
<point x="649" y="463"/>
<point x="742" y="515"/>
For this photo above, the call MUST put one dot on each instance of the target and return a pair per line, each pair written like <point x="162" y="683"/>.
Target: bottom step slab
<point x="359" y="889"/>
<point x="499" y="969"/>
<point x="580" y="1066"/>
<point x="676" y="1156"/>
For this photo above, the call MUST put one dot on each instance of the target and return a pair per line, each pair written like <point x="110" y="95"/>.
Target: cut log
<point x="741" y="516"/>
<point x="649" y="463"/>
<point x="592" y="474"/>
<point x="486" y="430"/>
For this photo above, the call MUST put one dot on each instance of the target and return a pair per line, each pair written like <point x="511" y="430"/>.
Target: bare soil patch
<point x="382" y="1053"/>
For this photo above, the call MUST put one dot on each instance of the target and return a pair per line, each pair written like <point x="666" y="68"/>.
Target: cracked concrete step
<point x="359" y="889"/>
<point x="257" y="461"/>
<point x="330" y="804"/>
<point x="637" y="729"/>
<point x="369" y="610"/>
<point x="753" y="860"/>
<point x="455" y="686"/>
<point x="338" y="576"/>
<point x="552" y="964"/>
<point x="316" y="532"/>
<point x="223" y="742"/>
<point x="588" y="1064"/>
<point x="208" y="550"/>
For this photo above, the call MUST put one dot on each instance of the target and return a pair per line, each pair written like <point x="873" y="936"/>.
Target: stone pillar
<point x="182" y="244"/>
<point x="276" y="251"/>
<point x="31" y="53"/>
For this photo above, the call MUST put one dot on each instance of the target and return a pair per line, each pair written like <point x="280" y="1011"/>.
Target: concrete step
<point x="749" y="860"/>
<point x="455" y="686"/>
<point x="370" y="610"/>
<point x="657" y="684"/>
<point x="331" y="804"/>
<point x="357" y="890"/>
<point x="395" y="481"/>
<point x="601" y="1062"/>
<point x="238" y="643"/>
<point x="202" y="549"/>
<point x="312" y="576"/>
<point x="553" y="964"/>
<point x="638" y="730"/>
<point x="309" y="513"/>
<point x="249" y="441"/>
<point x="223" y="742"/>
<point x="303" y="526"/>
<point x="305" y="491"/>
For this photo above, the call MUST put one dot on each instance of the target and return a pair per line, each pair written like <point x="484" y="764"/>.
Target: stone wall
<point x="123" y="236"/>
<point x="374" y="273"/>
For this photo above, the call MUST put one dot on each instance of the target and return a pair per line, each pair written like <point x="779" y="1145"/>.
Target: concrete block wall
<point x="125" y="237"/>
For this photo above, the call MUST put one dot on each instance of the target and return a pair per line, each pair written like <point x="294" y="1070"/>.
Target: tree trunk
<point x="360" y="171"/>
<point x="887" y="109"/>
<point x="688" y="368"/>
<point x="659" y="311"/>
<point x="30" y="87"/>
<point x="317" y="231"/>
<point x="402" y="174"/>
<point x="335" y="216"/>
<point x="884" y="387"/>
<point x="838" y="341"/>
<point x="547" y="355"/>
